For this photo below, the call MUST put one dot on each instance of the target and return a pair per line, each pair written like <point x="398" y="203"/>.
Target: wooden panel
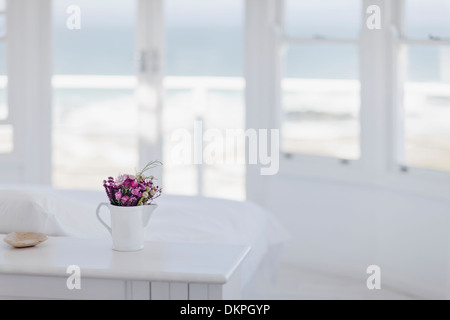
<point x="215" y="292"/>
<point x="198" y="291"/>
<point x="41" y="287"/>
<point x="138" y="290"/>
<point x="179" y="291"/>
<point x="159" y="291"/>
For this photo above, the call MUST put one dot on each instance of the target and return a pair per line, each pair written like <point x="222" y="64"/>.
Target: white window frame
<point x="402" y="42"/>
<point x="29" y="52"/>
<point x="381" y="104"/>
<point x="4" y="157"/>
<point x="150" y="76"/>
<point x="10" y="156"/>
<point x="29" y="91"/>
<point x="326" y="165"/>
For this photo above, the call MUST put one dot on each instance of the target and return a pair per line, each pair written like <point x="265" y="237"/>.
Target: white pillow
<point x="30" y="210"/>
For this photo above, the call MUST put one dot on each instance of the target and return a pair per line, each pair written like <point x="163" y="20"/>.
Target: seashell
<point x="24" y="239"/>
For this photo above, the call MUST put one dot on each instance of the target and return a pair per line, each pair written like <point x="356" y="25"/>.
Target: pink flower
<point x="136" y="192"/>
<point x="125" y="199"/>
<point x="118" y="195"/>
<point x="133" y="184"/>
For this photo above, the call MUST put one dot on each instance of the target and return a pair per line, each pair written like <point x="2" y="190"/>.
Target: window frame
<point x="28" y="64"/>
<point x="317" y="162"/>
<point x="7" y="120"/>
<point x="403" y="43"/>
<point x="381" y="115"/>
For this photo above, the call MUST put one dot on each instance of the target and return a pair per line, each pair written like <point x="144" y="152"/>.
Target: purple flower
<point x="133" y="201"/>
<point x="125" y="199"/>
<point x="136" y="192"/>
<point x="132" y="190"/>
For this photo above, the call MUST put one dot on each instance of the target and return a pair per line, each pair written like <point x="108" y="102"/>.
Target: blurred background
<point x="364" y="117"/>
<point x="204" y="71"/>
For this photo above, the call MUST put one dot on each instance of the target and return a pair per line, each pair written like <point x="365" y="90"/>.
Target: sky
<point x="195" y="13"/>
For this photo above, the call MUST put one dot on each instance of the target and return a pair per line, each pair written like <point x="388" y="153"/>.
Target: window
<point x="204" y="83"/>
<point x="321" y="89"/>
<point x="427" y="85"/>
<point x="6" y="129"/>
<point x="95" y="132"/>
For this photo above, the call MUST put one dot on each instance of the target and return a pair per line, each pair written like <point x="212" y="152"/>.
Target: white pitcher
<point x="127" y="225"/>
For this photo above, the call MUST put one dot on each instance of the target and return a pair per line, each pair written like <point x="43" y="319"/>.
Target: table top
<point x="158" y="261"/>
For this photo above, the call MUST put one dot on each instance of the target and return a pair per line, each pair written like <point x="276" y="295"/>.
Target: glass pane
<point x="205" y="38"/>
<point x="2" y="58"/>
<point x="323" y="18"/>
<point x="321" y="104"/>
<point x="427" y="108"/>
<point x="105" y="42"/>
<point x="204" y="64"/>
<point x="2" y="25"/>
<point x="94" y="127"/>
<point x="6" y="139"/>
<point x="94" y="136"/>
<point x="226" y="114"/>
<point x="427" y="19"/>
<point x="178" y="118"/>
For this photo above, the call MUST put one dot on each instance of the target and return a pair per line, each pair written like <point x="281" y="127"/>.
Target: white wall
<point x="342" y="228"/>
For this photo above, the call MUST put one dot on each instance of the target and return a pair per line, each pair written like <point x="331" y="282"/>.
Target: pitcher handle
<point x="100" y="218"/>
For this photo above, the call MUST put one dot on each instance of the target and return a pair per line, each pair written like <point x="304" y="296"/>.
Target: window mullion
<point x="263" y="77"/>
<point x="378" y="68"/>
<point x="150" y="73"/>
<point x="399" y="59"/>
<point x="29" y="86"/>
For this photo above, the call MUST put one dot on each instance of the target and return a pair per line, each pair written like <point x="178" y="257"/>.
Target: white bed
<point x="179" y="219"/>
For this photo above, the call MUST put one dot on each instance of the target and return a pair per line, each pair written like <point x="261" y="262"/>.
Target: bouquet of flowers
<point x="133" y="190"/>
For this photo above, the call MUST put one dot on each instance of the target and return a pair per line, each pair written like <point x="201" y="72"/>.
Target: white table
<point x="159" y="271"/>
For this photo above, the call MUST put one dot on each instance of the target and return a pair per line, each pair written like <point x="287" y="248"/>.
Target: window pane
<point x="321" y="104"/>
<point x="323" y="18"/>
<point x="2" y="5"/>
<point x="204" y="64"/>
<point x="2" y="25"/>
<point x="427" y="108"/>
<point x="3" y="83"/>
<point x="177" y="116"/>
<point x="105" y="42"/>
<point x="95" y="118"/>
<point x="6" y="139"/>
<point x="226" y="113"/>
<point x="205" y="38"/>
<point x="94" y="136"/>
<point x="427" y="19"/>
